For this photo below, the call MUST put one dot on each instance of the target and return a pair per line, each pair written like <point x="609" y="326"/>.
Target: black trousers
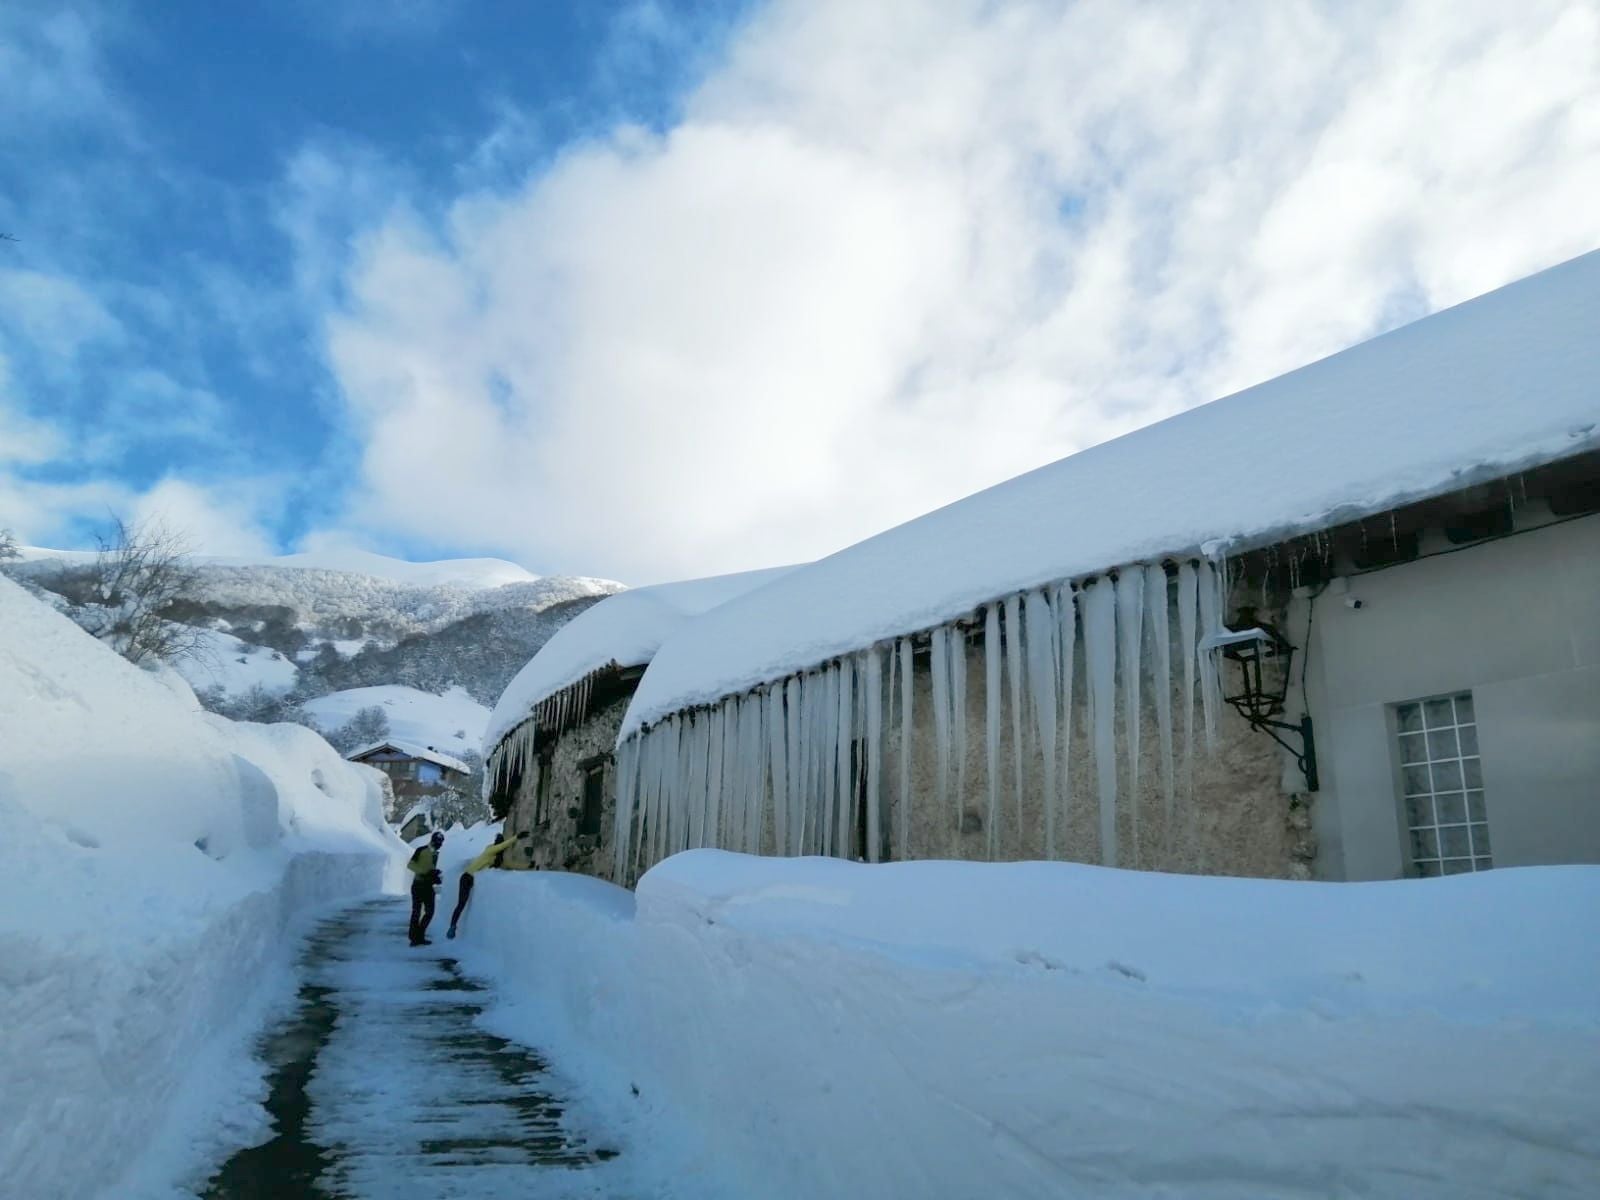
<point x="462" y="897"/>
<point x="421" y="908"/>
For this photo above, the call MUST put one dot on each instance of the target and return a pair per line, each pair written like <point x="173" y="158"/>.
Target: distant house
<point x="417" y="773"/>
<point x="1340" y="625"/>
<point x="548" y="743"/>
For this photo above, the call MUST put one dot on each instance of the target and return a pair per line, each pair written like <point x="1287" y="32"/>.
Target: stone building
<point x="1343" y="624"/>
<point x="418" y="774"/>
<point x="548" y="746"/>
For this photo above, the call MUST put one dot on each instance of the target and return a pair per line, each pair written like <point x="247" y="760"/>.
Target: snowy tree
<point x="124" y="596"/>
<point x="8" y="545"/>
<point x="463" y="803"/>
<point x="370" y="724"/>
<point x="257" y="704"/>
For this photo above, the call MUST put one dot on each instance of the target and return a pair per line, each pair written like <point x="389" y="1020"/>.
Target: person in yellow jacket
<point x="493" y="856"/>
<point x="424" y="866"/>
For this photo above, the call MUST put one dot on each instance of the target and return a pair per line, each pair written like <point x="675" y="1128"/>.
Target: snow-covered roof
<point x="422" y="809"/>
<point x="623" y="630"/>
<point x="410" y="750"/>
<point x="1502" y="383"/>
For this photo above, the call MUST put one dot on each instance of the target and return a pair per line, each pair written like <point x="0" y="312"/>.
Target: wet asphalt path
<point x="383" y="1084"/>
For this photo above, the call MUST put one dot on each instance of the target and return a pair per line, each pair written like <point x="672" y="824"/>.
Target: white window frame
<point x="1443" y="807"/>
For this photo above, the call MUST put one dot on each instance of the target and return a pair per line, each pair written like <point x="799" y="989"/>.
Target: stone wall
<point x="556" y="844"/>
<point x="1230" y="813"/>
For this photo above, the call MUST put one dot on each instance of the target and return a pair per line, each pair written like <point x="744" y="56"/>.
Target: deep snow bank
<point x="1046" y="1029"/>
<point x="155" y="857"/>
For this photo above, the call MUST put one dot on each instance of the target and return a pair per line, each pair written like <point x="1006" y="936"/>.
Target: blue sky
<point x="165" y="180"/>
<point x="645" y="289"/>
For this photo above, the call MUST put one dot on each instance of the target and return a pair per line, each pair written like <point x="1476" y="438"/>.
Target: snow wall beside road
<point x="158" y="862"/>
<point x="1039" y="1030"/>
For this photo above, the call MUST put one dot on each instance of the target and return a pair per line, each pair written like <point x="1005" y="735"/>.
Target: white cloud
<point x="898" y="252"/>
<point x="210" y="520"/>
<point x="53" y="313"/>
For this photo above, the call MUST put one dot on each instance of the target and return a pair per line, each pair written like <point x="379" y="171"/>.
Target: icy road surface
<point x="383" y="1084"/>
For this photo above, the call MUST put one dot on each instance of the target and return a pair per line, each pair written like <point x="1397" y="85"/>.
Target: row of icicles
<point x="778" y="769"/>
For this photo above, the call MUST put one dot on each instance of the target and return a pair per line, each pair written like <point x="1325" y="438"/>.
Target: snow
<point x="1496" y="385"/>
<point x="390" y="594"/>
<point x="453" y="721"/>
<point x="217" y="665"/>
<point x="157" y="857"/>
<point x="625" y="629"/>
<point x="454" y="572"/>
<point x="1047" y="1029"/>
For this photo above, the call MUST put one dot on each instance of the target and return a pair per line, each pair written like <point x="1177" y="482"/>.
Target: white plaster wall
<point x="1514" y="621"/>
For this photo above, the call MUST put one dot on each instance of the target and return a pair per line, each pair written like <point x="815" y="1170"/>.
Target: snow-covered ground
<point x="1044" y="1029"/>
<point x="452" y="723"/>
<point x="157" y="859"/>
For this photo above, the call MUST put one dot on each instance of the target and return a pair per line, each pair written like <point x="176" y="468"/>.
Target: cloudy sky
<point x="647" y="290"/>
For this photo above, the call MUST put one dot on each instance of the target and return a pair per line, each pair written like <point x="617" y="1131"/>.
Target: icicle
<point x="828" y="745"/>
<point x="1013" y="639"/>
<point x="874" y="701"/>
<point x="908" y="729"/>
<point x="1042" y="681"/>
<point x="692" y="804"/>
<point x="1130" y="627"/>
<point x="939" y="677"/>
<point x="992" y="654"/>
<point x="844" y="758"/>
<point x="793" y="705"/>
<point x="758" y="756"/>
<point x="655" y="776"/>
<point x="958" y="721"/>
<point x="672" y="753"/>
<point x="1188" y="637"/>
<point x="804" y="796"/>
<point x="1156" y="613"/>
<point x="714" y="832"/>
<point x="736" y="771"/>
<point x="778" y="764"/>
<point x="811" y="739"/>
<point x="1100" y="646"/>
<point x="1066" y="648"/>
<point x="723" y="824"/>
<point x="1206" y="660"/>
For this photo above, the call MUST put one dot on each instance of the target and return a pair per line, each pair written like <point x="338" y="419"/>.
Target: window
<point x="594" y="783"/>
<point x="541" y="795"/>
<point x="1442" y="785"/>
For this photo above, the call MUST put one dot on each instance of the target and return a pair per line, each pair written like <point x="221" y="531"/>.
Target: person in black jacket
<point x="425" y="876"/>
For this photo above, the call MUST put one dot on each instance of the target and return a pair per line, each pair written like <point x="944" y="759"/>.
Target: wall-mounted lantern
<point x="1261" y="657"/>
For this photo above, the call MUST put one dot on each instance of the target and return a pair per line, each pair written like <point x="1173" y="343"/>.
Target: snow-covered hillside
<point x="450" y="572"/>
<point x="156" y="855"/>
<point x="452" y="723"/>
<point x="234" y="666"/>
<point x="307" y="629"/>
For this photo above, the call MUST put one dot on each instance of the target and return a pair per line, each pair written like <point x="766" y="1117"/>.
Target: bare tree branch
<point x="124" y="596"/>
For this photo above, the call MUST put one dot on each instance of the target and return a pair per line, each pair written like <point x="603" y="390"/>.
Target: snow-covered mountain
<point x="282" y="633"/>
